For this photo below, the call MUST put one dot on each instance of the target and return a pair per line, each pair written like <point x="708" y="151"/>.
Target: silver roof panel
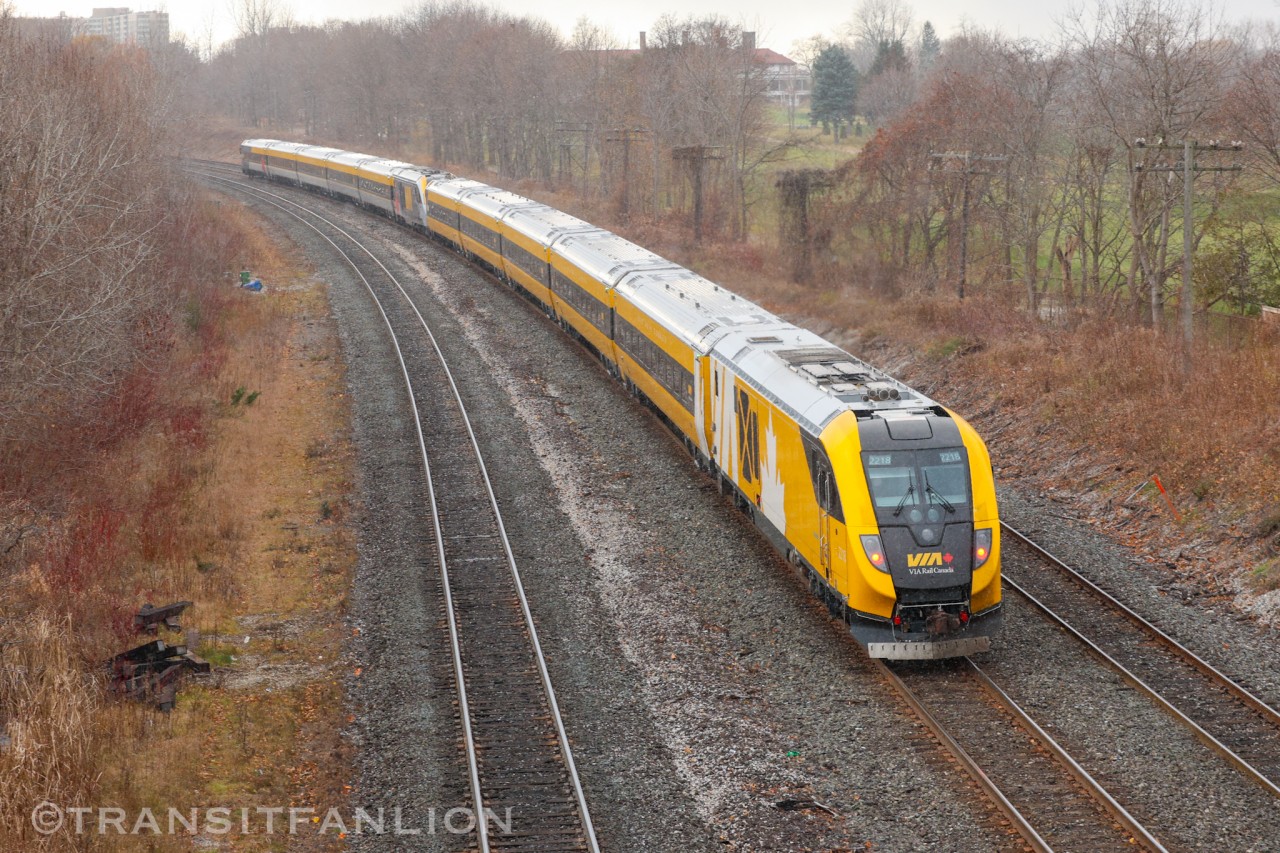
<point x="607" y="257"/>
<point x="413" y="173"/>
<point x="495" y="204"/>
<point x="697" y="309"/>
<point x="455" y="188"/>
<point x="545" y="224"/>
<point x="320" y="152"/>
<point x="385" y="168"/>
<point x="810" y="378"/>
<point x="348" y="158"/>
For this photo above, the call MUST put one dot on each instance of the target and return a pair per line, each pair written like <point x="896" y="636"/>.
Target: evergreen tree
<point x="890" y="56"/>
<point x="835" y="88"/>
<point x="930" y="45"/>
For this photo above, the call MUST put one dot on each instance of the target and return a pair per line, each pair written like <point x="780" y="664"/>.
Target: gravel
<point x="1160" y="772"/>
<point x="1207" y="624"/>
<point x="700" y="682"/>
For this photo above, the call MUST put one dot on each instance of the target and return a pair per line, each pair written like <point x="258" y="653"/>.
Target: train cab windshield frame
<point x="910" y="487"/>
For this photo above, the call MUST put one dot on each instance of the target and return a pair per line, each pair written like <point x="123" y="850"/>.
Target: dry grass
<point x="199" y="499"/>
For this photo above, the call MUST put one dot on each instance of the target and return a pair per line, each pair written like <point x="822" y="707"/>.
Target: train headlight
<point x="981" y="546"/>
<point x="875" y="552"/>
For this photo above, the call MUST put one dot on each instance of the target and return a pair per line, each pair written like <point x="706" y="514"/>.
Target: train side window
<point x="823" y="476"/>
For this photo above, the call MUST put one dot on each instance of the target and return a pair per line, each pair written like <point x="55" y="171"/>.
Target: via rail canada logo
<point x="929" y="562"/>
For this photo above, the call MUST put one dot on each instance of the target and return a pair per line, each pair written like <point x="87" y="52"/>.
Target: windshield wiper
<point x="911" y="490"/>
<point x="934" y="494"/>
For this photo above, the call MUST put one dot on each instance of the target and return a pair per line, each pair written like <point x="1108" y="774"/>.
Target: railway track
<point x="523" y="780"/>
<point x="1224" y="715"/>
<point x="1047" y="797"/>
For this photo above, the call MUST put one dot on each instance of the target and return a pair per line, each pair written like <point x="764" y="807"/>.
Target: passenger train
<point x="882" y="497"/>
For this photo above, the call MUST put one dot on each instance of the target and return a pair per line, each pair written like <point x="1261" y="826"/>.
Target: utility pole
<point x="624" y="135"/>
<point x="968" y="167"/>
<point x="563" y="131"/>
<point x="1188" y="167"/>
<point x="697" y="155"/>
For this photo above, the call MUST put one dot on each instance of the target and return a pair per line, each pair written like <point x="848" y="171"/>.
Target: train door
<point x="826" y="493"/>
<point x="746" y="419"/>
<point x="832" y="556"/>
<point x="702" y="403"/>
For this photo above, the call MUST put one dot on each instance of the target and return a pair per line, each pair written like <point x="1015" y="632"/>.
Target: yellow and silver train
<point x="884" y="498"/>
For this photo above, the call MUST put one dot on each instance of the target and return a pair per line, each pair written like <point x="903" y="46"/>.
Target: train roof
<point x="350" y="159"/>
<point x="455" y="188"/>
<point x="290" y="147"/>
<point x="813" y="380"/>
<point x="384" y="168"/>
<point x="414" y="173"/>
<point x="545" y="224"/>
<point x="319" y="152"/>
<point x="261" y="143"/>
<point x="497" y="203"/>
<point x="696" y="309"/>
<point x="607" y="257"/>
<point x="799" y="371"/>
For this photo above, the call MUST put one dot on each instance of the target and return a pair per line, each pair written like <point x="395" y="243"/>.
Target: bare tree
<point x="876" y="23"/>
<point x="1152" y="70"/>
<point x="257" y="18"/>
<point x="81" y="201"/>
<point x="1251" y="110"/>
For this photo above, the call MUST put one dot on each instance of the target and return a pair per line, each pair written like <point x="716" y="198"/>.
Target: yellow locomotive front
<point x="918" y="499"/>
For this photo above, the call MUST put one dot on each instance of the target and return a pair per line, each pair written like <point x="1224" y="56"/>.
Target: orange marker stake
<point x="1160" y="486"/>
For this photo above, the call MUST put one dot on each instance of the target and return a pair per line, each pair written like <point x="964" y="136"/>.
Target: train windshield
<point x="914" y="486"/>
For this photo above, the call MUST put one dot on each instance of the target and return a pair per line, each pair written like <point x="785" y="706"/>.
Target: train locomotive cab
<point x="929" y="524"/>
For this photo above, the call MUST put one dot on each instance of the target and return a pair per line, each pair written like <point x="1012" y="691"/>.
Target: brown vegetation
<point x="132" y="471"/>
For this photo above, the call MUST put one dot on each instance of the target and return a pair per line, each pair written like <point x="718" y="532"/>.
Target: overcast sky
<point x="778" y="23"/>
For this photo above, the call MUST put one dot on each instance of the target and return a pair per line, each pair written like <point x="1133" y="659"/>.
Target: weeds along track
<point x="1223" y="714"/>
<point x="1048" y="798"/>
<point x="517" y="751"/>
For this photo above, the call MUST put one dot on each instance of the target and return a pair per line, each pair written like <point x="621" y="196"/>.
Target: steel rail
<point x="1100" y="794"/>
<point x="1204" y="736"/>
<point x="958" y="752"/>
<point x="1138" y="833"/>
<point x="1151" y="693"/>
<point x="1239" y="691"/>
<point x="464" y="708"/>
<point x="553" y="705"/>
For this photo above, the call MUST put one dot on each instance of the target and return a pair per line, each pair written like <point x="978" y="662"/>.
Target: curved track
<point x="520" y="763"/>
